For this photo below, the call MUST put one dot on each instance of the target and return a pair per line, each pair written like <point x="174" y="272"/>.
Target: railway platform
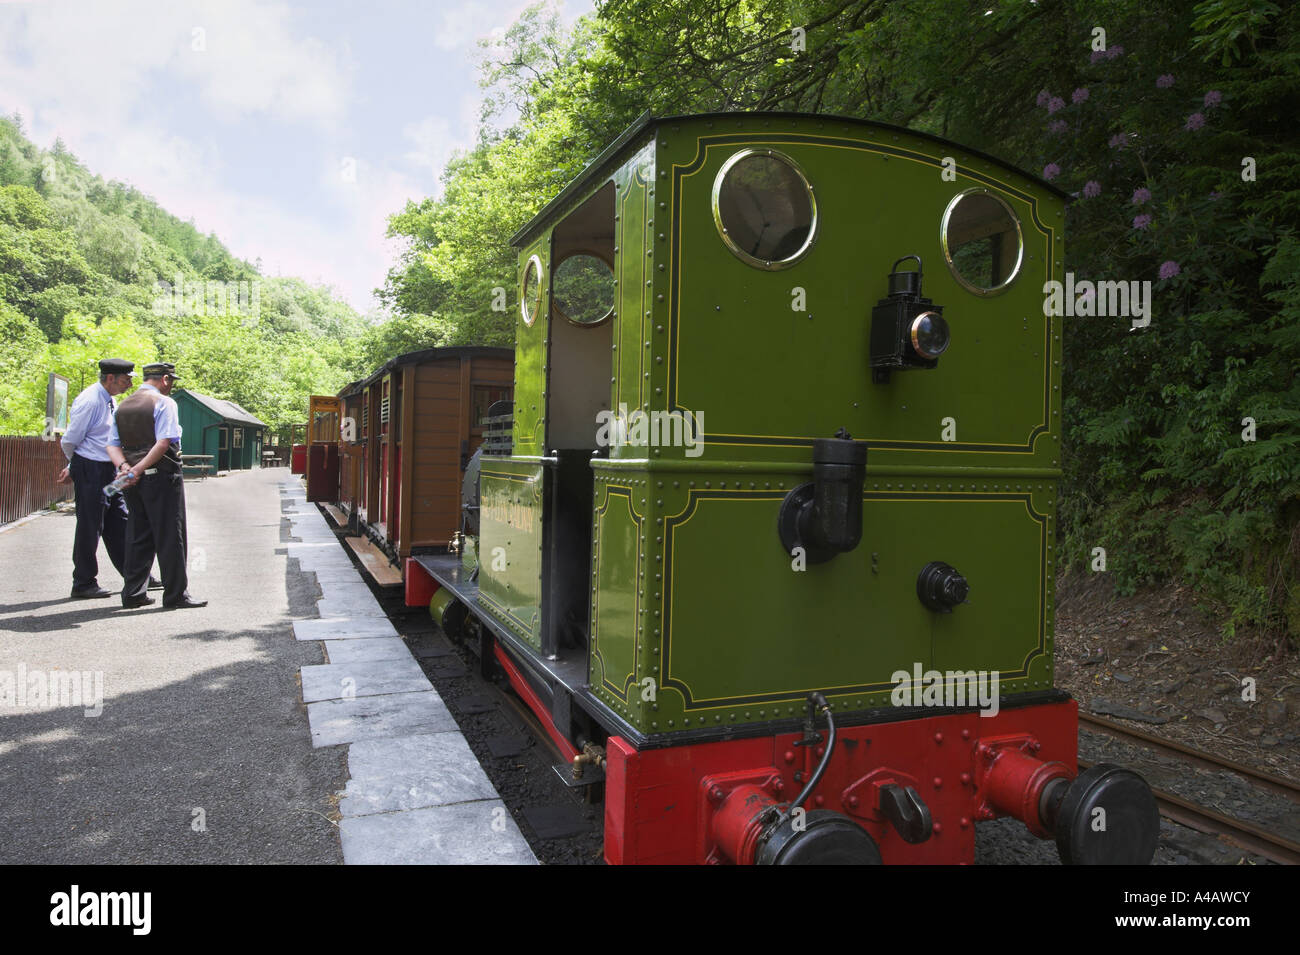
<point x="281" y="723"/>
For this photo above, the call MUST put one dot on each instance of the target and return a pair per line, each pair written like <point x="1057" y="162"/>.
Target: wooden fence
<point x="28" y="469"/>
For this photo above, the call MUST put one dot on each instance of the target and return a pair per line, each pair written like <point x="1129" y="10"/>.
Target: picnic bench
<point x="197" y="462"/>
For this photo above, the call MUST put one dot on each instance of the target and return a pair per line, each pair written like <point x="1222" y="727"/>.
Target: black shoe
<point x="155" y="583"/>
<point x="86" y="593"/>
<point x="185" y="603"/>
<point x="130" y="603"/>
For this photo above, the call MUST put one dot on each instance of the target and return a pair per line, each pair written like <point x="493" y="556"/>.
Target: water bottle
<point x="117" y="486"/>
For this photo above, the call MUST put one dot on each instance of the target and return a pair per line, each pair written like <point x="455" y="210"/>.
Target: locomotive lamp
<point x="907" y="329"/>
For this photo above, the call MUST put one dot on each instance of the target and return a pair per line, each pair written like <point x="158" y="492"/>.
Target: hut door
<point x="223" y="449"/>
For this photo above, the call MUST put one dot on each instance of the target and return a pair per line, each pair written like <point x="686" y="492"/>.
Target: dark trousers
<point x="156" y="527"/>
<point x="97" y="517"/>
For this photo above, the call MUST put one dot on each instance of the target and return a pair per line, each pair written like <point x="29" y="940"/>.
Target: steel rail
<point x="1265" y="780"/>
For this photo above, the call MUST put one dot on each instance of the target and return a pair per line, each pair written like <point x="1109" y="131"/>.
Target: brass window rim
<point x="533" y="260"/>
<point x="560" y="310"/>
<point x="770" y="265"/>
<point x="947" y="252"/>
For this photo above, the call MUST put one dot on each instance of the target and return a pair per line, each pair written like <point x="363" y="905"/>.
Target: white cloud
<point x="245" y="135"/>
<point x="99" y="59"/>
<point x="253" y="61"/>
<point x="434" y="139"/>
<point x="462" y="28"/>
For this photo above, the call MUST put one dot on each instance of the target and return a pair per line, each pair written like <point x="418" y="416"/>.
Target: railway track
<point x="1246" y="835"/>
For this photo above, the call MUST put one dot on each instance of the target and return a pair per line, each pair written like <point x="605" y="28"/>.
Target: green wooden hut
<point x="220" y="428"/>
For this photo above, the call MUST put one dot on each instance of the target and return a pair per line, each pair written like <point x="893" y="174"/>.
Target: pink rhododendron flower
<point x="1169" y="269"/>
<point x="1213" y="98"/>
<point x="1142" y="221"/>
<point x="1141" y="195"/>
<point x="1165" y="81"/>
<point x="1079" y="95"/>
<point x="1051" y="171"/>
<point x="1194" y="122"/>
<point x="1092" y="189"/>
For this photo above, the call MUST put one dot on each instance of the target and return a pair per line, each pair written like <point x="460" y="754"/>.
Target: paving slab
<point x="313" y="548"/>
<point x="321" y="560"/>
<point x="343" y="628"/>
<point x="348" y="588"/>
<point x="314" y="563"/>
<point x="349" y="605"/>
<point x="412" y="772"/>
<point x="366" y="651"/>
<point x="336" y="575"/>
<point x="471" y="833"/>
<point x="372" y="717"/>
<point x="340" y="681"/>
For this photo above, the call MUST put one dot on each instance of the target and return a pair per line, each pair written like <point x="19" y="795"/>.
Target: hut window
<point x="221" y="439"/>
<point x="764" y="209"/>
<point x="239" y="437"/>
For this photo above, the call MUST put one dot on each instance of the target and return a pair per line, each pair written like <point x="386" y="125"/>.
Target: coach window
<point x="981" y="241"/>
<point x="764" y="208"/>
<point x="530" y="302"/>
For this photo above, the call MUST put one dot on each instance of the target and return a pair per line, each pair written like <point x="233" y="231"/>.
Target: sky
<point x="291" y="130"/>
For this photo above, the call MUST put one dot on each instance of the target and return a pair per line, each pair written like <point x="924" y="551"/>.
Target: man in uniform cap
<point x="90" y="469"/>
<point x="146" y="443"/>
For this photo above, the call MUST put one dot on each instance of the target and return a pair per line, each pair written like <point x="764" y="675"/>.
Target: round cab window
<point x="582" y="289"/>
<point x="530" y="303"/>
<point x="764" y="208"/>
<point x="982" y="241"/>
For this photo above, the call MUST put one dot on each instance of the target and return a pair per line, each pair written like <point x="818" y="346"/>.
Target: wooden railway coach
<point x="406" y="434"/>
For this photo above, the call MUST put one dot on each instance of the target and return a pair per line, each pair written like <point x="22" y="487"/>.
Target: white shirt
<point x="89" y="424"/>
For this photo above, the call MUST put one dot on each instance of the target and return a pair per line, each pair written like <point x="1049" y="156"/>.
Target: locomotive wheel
<point x="1108" y="817"/>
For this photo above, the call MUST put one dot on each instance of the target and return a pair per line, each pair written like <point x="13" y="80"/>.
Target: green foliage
<point x="23" y="360"/>
<point x="398" y="336"/>
<point x="1184" y="437"/>
<point x="1156" y="467"/>
<point x="80" y="263"/>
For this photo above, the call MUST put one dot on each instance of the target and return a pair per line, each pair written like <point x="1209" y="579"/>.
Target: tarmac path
<point x="201" y="751"/>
